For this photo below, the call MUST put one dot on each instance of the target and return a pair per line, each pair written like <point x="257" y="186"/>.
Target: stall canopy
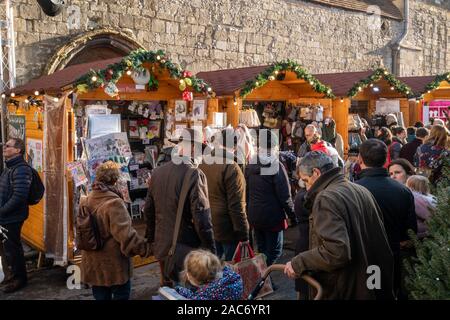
<point x="259" y="82"/>
<point x="89" y="76"/>
<point x="54" y="82"/>
<point x="438" y="86"/>
<point x="372" y="84"/>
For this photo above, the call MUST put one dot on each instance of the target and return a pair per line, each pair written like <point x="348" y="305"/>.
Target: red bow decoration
<point x="188" y="96"/>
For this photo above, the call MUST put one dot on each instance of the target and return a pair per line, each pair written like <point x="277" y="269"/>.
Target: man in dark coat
<point x="269" y="202"/>
<point x="409" y="150"/>
<point x="395" y="200"/>
<point x="15" y="185"/>
<point x="162" y="202"/>
<point x="347" y="237"/>
<point x="226" y="190"/>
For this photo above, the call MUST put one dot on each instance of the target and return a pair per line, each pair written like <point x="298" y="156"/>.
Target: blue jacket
<point x="15" y="184"/>
<point x="228" y="287"/>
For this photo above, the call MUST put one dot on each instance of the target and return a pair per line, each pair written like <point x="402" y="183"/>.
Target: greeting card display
<point x="198" y="109"/>
<point x="110" y="145"/>
<point x="77" y="172"/>
<point x="180" y="109"/>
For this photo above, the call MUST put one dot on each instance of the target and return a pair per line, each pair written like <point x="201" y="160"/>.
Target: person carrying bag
<point x="172" y="264"/>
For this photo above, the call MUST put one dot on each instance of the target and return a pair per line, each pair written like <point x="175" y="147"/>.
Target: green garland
<point x="273" y="72"/>
<point x="436" y="83"/>
<point x="112" y="73"/>
<point x="378" y="75"/>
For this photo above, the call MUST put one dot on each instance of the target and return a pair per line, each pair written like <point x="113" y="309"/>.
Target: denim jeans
<point x="119" y="292"/>
<point x="226" y="249"/>
<point x="269" y="243"/>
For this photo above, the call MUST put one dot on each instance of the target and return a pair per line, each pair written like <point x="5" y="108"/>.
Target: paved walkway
<point x="50" y="283"/>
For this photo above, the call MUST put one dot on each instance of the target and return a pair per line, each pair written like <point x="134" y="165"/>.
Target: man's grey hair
<point x="312" y="127"/>
<point x="315" y="159"/>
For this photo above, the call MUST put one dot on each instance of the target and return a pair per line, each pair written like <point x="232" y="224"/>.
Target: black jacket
<point x="409" y="150"/>
<point x="396" y="202"/>
<point x="268" y="196"/>
<point x="15" y="184"/>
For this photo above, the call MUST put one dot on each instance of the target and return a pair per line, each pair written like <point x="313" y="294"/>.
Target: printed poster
<point x="198" y="109"/>
<point x="16" y="127"/>
<point x="34" y="151"/>
<point x="109" y="145"/>
<point x="77" y="171"/>
<point x="180" y="109"/>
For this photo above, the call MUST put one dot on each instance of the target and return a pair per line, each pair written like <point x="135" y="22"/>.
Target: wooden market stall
<point x="121" y="109"/>
<point x="367" y="94"/>
<point x="269" y="96"/>
<point x="432" y="97"/>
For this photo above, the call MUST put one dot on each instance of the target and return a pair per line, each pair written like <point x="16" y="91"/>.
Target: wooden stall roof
<point x="341" y="83"/>
<point x="225" y="82"/>
<point x="417" y="84"/>
<point x="55" y="81"/>
<point x="387" y="8"/>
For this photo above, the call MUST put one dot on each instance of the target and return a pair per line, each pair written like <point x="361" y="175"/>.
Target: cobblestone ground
<point x="50" y="283"/>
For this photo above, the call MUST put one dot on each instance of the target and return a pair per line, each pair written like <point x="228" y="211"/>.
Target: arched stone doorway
<point x="92" y="46"/>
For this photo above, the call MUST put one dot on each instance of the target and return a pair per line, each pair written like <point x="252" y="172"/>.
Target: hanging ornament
<point x="111" y="89"/>
<point x="187" y="74"/>
<point x="141" y="76"/>
<point x="188" y="96"/>
<point x="182" y="85"/>
<point x="188" y="81"/>
<point x="82" y="88"/>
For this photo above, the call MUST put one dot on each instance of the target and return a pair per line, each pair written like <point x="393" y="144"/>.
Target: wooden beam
<point x="213" y="107"/>
<point x="340" y="116"/>
<point x="233" y="111"/>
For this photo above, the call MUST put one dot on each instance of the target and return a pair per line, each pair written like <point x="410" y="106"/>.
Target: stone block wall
<point x="212" y="34"/>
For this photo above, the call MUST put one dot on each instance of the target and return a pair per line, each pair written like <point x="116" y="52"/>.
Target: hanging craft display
<point x="111" y="90"/>
<point x="141" y="76"/>
<point x="188" y="96"/>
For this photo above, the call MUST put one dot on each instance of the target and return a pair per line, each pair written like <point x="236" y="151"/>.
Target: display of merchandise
<point x="249" y="118"/>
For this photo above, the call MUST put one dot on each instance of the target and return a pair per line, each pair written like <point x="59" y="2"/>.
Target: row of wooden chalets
<point x="126" y="109"/>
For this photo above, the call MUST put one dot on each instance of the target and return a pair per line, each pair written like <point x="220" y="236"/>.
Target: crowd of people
<point x="240" y="191"/>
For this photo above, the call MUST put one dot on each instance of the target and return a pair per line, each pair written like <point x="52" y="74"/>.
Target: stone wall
<point x="212" y="34"/>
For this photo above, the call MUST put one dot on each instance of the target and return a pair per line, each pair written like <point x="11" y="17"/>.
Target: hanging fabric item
<point x="249" y="118"/>
<point x="319" y="113"/>
<point x="329" y="130"/>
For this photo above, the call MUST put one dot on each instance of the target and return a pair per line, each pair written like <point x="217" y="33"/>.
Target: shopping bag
<point x="251" y="268"/>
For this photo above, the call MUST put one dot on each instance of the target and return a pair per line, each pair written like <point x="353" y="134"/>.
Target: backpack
<point x="37" y="188"/>
<point x="87" y="232"/>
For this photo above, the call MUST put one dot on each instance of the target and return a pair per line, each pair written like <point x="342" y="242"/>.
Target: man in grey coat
<point x="349" y="253"/>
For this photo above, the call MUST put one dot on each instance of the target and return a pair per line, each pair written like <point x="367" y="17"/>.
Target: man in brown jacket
<point x="162" y="203"/>
<point x="349" y="253"/>
<point x="226" y="188"/>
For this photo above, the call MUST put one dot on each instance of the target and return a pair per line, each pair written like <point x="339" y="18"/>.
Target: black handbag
<point x="173" y="262"/>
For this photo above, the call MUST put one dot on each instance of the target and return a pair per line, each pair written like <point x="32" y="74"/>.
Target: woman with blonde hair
<point x="209" y="279"/>
<point x="424" y="202"/>
<point x="108" y="269"/>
